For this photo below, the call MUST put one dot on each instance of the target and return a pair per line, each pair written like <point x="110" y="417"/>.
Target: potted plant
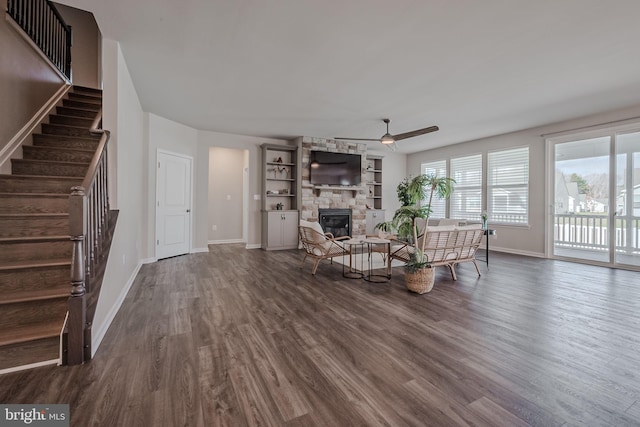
<point x="419" y="274"/>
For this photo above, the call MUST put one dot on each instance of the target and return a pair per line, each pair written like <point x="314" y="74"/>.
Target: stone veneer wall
<point x="313" y="199"/>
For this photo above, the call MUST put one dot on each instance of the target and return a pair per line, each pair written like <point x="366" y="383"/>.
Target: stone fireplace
<point x="335" y="221"/>
<point x="313" y="199"/>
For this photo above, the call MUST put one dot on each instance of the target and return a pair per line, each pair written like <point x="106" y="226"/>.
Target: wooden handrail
<point x="88" y="214"/>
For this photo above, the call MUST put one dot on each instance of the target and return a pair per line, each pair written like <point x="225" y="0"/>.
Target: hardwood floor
<point x="245" y="337"/>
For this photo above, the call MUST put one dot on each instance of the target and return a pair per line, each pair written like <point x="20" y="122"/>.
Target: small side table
<point x="353" y="247"/>
<point x="488" y="232"/>
<point x="377" y="245"/>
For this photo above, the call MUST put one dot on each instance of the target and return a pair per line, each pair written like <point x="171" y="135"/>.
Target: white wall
<point x="123" y="116"/>
<point x="207" y="140"/>
<point x="226" y="194"/>
<point x="85" y="50"/>
<point x="525" y="240"/>
<point x="161" y="133"/>
<point x="27" y="81"/>
<point x="394" y="170"/>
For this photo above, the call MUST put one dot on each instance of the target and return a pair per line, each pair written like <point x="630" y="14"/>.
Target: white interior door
<point x="173" y="205"/>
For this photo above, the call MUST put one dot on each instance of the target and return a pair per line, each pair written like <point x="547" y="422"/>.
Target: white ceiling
<point x="326" y="68"/>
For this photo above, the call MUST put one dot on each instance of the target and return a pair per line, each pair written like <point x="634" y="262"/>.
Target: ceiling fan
<point x="390" y="140"/>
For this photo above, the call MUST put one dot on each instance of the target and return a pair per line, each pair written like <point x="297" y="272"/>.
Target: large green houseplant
<point x="419" y="273"/>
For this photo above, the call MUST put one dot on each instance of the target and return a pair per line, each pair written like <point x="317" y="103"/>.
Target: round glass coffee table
<point x="376" y="245"/>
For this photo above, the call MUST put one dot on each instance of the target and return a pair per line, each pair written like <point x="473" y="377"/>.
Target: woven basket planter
<point x="421" y="281"/>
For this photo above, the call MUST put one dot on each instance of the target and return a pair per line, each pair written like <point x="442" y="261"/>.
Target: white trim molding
<point x="16" y="142"/>
<point x="223" y="242"/>
<point x="199" y="250"/>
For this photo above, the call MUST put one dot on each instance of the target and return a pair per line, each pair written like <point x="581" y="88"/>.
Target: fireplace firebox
<point x="335" y="221"/>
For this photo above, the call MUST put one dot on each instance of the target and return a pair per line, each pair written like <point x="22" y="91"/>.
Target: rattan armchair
<point x="318" y="245"/>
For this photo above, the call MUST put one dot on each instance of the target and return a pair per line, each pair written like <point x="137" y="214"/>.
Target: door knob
<point x="188" y="210"/>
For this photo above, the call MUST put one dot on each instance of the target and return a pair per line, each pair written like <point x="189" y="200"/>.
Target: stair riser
<point x="21" y="167"/>
<point x="15" y="355"/>
<point x="24" y="204"/>
<point x="51" y="129"/>
<point x="35" y="279"/>
<point x="30" y="312"/>
<point x="34" y="227"/>
<point x="84" y="97"/>
<point x="61" y="141"/>
<point x="47" y="153"/>
<point x="39" y="185"/>
<point x="87" y="90"/>
<point x="80" y="104"/>
<point x="71" y="121"/>
<point x="34" y="251"/>
<point x="75" y="112"/>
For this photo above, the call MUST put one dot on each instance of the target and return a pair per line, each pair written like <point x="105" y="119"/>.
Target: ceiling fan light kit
<point x="389" y="140"/>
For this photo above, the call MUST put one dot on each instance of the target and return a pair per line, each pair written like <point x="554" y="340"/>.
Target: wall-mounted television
<point x="327" y="168"/>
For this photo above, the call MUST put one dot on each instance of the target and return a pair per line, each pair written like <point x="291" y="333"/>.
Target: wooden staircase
<point x="35" y="249"/>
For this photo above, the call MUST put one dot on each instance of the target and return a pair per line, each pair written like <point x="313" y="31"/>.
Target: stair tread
<point x="51" y="162"/>
<point x="27" y="333"/>
<point x="33" y="239"/>
<point x="28" y="215"/>
<point x="68" y="117"/>
<point x="45" y="177"/>
<point x="84" y="97"/>
<point x="34" y="195"/>
<point x="22" y="265"/>
<point x="66" y="126"/>
<point x="64" y="149"/>
<point x="84" y="110"/>
<point x="61" y="291"/>
<point x="93" y="138"/>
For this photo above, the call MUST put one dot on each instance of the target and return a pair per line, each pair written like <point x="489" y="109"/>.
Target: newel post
<point x="77" y="301"/>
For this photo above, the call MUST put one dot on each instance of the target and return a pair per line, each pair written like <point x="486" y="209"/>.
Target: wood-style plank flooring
<point x="242" y="337"/>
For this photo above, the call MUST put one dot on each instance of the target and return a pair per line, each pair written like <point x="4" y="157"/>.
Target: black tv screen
<point x="327" y="168"/>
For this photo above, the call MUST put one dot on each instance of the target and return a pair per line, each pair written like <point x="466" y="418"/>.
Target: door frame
<point x="610" y="130"/>
<point x="155" y="203"/>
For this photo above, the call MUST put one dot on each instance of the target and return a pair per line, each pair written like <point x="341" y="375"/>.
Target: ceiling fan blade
<point x="357" y="139"/>
<point x="415" y="133"/>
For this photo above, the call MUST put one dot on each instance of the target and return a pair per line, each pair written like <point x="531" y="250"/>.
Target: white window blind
<point x="438" y="206"/>
<point x="508" y="186"/>
<point x="466" y="199"/>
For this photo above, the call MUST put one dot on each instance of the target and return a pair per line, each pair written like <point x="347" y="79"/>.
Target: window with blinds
<point x="466" y="199"/>
<point x="438" y="206"/>
<point x="508" y="186"/>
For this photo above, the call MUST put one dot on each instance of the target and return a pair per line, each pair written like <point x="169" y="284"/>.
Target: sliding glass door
<point x="596" y="199"/>
<point x="627" y="208"/>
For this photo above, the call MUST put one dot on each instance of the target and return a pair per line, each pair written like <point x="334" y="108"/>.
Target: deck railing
<point x="42" y="22"/>
<point x="591" y="232"/>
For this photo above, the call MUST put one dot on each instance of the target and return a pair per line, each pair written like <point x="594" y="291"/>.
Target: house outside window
<point x="439" y="169"/>
<point x="466" y="199"/>
<point x="508" y="186"/>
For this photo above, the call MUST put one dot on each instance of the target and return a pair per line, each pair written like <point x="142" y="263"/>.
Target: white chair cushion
<point x="315" y="226"/>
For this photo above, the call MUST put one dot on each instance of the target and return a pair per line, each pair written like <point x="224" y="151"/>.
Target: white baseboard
<point x="29" y="366"/>
<point x="199" y="250"/>
<point x="8" y="150"/>
<point x="517" y="252"/>
<point x="224" y="242"/>
<point x="148" y="260"/>
<point x="254" y="246"/>
<point x="97" y="336"/>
